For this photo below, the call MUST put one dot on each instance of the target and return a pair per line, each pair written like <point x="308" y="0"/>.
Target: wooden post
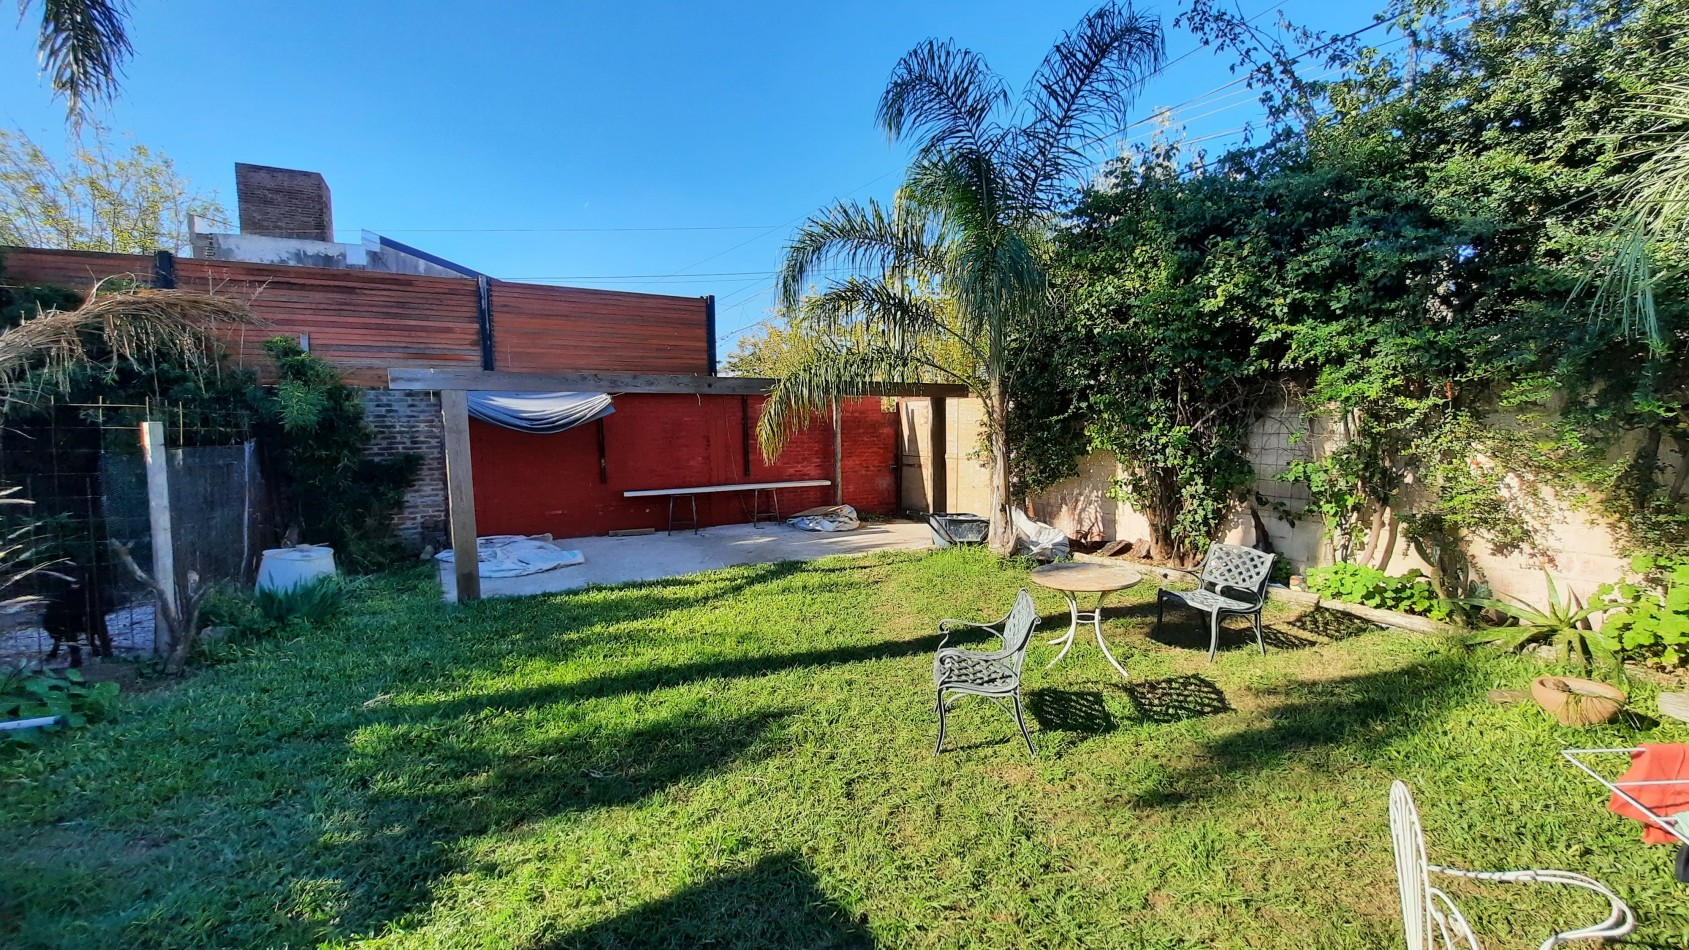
<point x="460" y="493"/>
<point x="838" y="454"/>
<point x="158" y="515"/>
<point x="939" y="499"/>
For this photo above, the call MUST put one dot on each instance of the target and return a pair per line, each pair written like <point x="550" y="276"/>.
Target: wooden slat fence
<point x="365" y="322"/>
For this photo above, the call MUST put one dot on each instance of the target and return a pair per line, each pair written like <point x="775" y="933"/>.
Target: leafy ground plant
<point x="744" y="759"/>
<point x="1650" y="620"/>
<point x="30" y="694"/>
<point x="1410" y="593"/>
<point x="1564" y="625"/>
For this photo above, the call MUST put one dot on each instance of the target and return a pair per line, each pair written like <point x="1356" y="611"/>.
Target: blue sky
<point x="484" y="132"/>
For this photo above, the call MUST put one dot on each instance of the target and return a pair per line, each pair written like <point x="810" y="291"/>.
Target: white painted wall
<point x="1579" y="550"/>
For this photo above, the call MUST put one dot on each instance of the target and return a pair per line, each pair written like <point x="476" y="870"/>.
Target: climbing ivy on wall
<point x="1401" y="259"/>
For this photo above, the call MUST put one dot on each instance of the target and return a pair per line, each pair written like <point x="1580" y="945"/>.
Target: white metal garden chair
<point x="1431" y="918"/>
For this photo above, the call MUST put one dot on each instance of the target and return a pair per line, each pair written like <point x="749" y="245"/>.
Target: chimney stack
<point x="283" y="202"/>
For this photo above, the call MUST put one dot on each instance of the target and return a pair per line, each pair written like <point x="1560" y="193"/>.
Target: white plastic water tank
<point x="287" y="568"/>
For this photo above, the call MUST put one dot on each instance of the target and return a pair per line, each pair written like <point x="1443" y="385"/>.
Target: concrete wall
<point x="1576" y="548"/>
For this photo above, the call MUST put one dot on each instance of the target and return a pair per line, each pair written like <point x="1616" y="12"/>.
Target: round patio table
<point x="1073" y="578"/>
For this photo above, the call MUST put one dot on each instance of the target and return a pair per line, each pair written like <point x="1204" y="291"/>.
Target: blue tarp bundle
<point x="539" y="412"/>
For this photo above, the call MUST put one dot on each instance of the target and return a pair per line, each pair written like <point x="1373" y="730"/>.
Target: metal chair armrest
<point x="1620" y="920"/>
<point x="951" y="625"/>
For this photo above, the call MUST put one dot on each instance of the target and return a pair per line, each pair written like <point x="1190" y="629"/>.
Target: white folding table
<point x="758" y="513"/>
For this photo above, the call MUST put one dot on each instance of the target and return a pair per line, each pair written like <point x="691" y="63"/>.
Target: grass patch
<point x="744" y="758"/>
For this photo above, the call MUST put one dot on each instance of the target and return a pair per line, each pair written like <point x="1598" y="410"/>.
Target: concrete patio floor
<point x="655" y="556"/>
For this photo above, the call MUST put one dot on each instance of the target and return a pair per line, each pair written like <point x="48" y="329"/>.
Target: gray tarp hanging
<point x="539" y="412"/>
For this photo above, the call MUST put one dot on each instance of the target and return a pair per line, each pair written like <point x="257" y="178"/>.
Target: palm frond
<point x="1655" y="210"/>
<point x="826" y="376"/>
<point x="125" y="325"/>
<point x="861" y="237"/>
<point x="83" y="45"/>
<point x="1082" y="91"/>
<point x="878" y="308"/>
<point x="946" y="97"/>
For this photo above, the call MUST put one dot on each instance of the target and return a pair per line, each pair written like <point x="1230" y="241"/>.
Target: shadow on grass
<point x="680" y="674"/>
<point x="1362" y="714"/>
<point x="1188" y="630"/>
<point x="1070" y="710"/>
<point x="1176" y="698"/>
<point x="426" y="791"/>
<point x="1332" y="624"/>
<point x="774" y="903"/>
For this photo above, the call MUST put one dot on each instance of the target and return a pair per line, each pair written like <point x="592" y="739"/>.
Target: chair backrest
<point x="1018" y="627"/>
<point x="1237" y="567"/>
<point x="1429" y="919"/>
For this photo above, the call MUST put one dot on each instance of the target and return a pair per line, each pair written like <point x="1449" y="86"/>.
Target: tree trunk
<point x="1002" y="537"/>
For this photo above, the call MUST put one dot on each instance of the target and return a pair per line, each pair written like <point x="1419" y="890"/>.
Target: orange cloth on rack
<point x="1653" y="763"/>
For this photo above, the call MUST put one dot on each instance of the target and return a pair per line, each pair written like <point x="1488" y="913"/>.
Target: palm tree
<point x="959" y="256"/>
<point x="1654" y="210"/>
<point x="83" y="45"/>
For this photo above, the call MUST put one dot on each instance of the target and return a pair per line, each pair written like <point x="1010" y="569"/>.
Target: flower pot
<point x="1577" y="702"/>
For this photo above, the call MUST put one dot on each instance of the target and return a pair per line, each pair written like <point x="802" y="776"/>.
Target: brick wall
<point x="410" y="422"/>
<point x="283" y="202"/>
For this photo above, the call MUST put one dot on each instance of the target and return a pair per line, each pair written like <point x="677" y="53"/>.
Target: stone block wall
<point x="410" y="422"/>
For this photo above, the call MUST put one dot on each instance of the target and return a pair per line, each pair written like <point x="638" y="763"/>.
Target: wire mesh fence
<point x="84" y="469"/>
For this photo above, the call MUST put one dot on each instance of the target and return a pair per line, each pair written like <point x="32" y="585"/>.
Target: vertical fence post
<point x="938" y="499"/>
<point x="158" y="515"/>
<point x="460" y="493"/>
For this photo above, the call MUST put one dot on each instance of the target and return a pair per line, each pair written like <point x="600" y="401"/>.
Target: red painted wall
<point x="528" y="484"/>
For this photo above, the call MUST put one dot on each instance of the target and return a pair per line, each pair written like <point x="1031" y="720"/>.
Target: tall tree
<point x="969" y="226"/>
<point x="102" y="196"/>
<point x="83" y="45"/>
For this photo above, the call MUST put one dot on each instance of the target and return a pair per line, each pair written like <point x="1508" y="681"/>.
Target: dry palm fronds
<point x="124" y="325"/>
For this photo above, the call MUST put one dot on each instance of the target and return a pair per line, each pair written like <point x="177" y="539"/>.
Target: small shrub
<point x="313" y="603"/>
<point x="29" y="694"/>
<point x="229" y="605"/>
<point x="1410" y="593"/>
<point x="1650" y="620"/>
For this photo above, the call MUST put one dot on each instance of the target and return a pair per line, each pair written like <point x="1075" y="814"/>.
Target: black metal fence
<point x="84" y="469"/>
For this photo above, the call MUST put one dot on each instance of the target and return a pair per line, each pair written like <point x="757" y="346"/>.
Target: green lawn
<point x="745" y="758"/>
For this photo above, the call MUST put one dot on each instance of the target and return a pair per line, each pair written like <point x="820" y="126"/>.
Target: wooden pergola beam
<point x="445" y="380"/>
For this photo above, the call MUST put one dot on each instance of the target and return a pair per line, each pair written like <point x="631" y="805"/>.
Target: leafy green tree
<point x="1400" y="256"/>
<point x="969" y="226"/>
<point x="1163" y="354"/>
<point x="102" y="196"/>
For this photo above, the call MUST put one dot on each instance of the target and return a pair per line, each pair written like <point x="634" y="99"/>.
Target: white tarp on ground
<point x="539" y="412"/>
<point x="1042" y="541"/>
<point x="827" y="518"/>
<point x="513" y="555"/>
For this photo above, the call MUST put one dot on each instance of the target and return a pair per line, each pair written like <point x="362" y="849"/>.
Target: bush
<point x="231" y="606"/>
<point x="315" y="438"/>
<point x="1410" y="593"/>
<point x="1650" y="620"/>
<point x="29" y="694"/>
<point x="312" y="603"/>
